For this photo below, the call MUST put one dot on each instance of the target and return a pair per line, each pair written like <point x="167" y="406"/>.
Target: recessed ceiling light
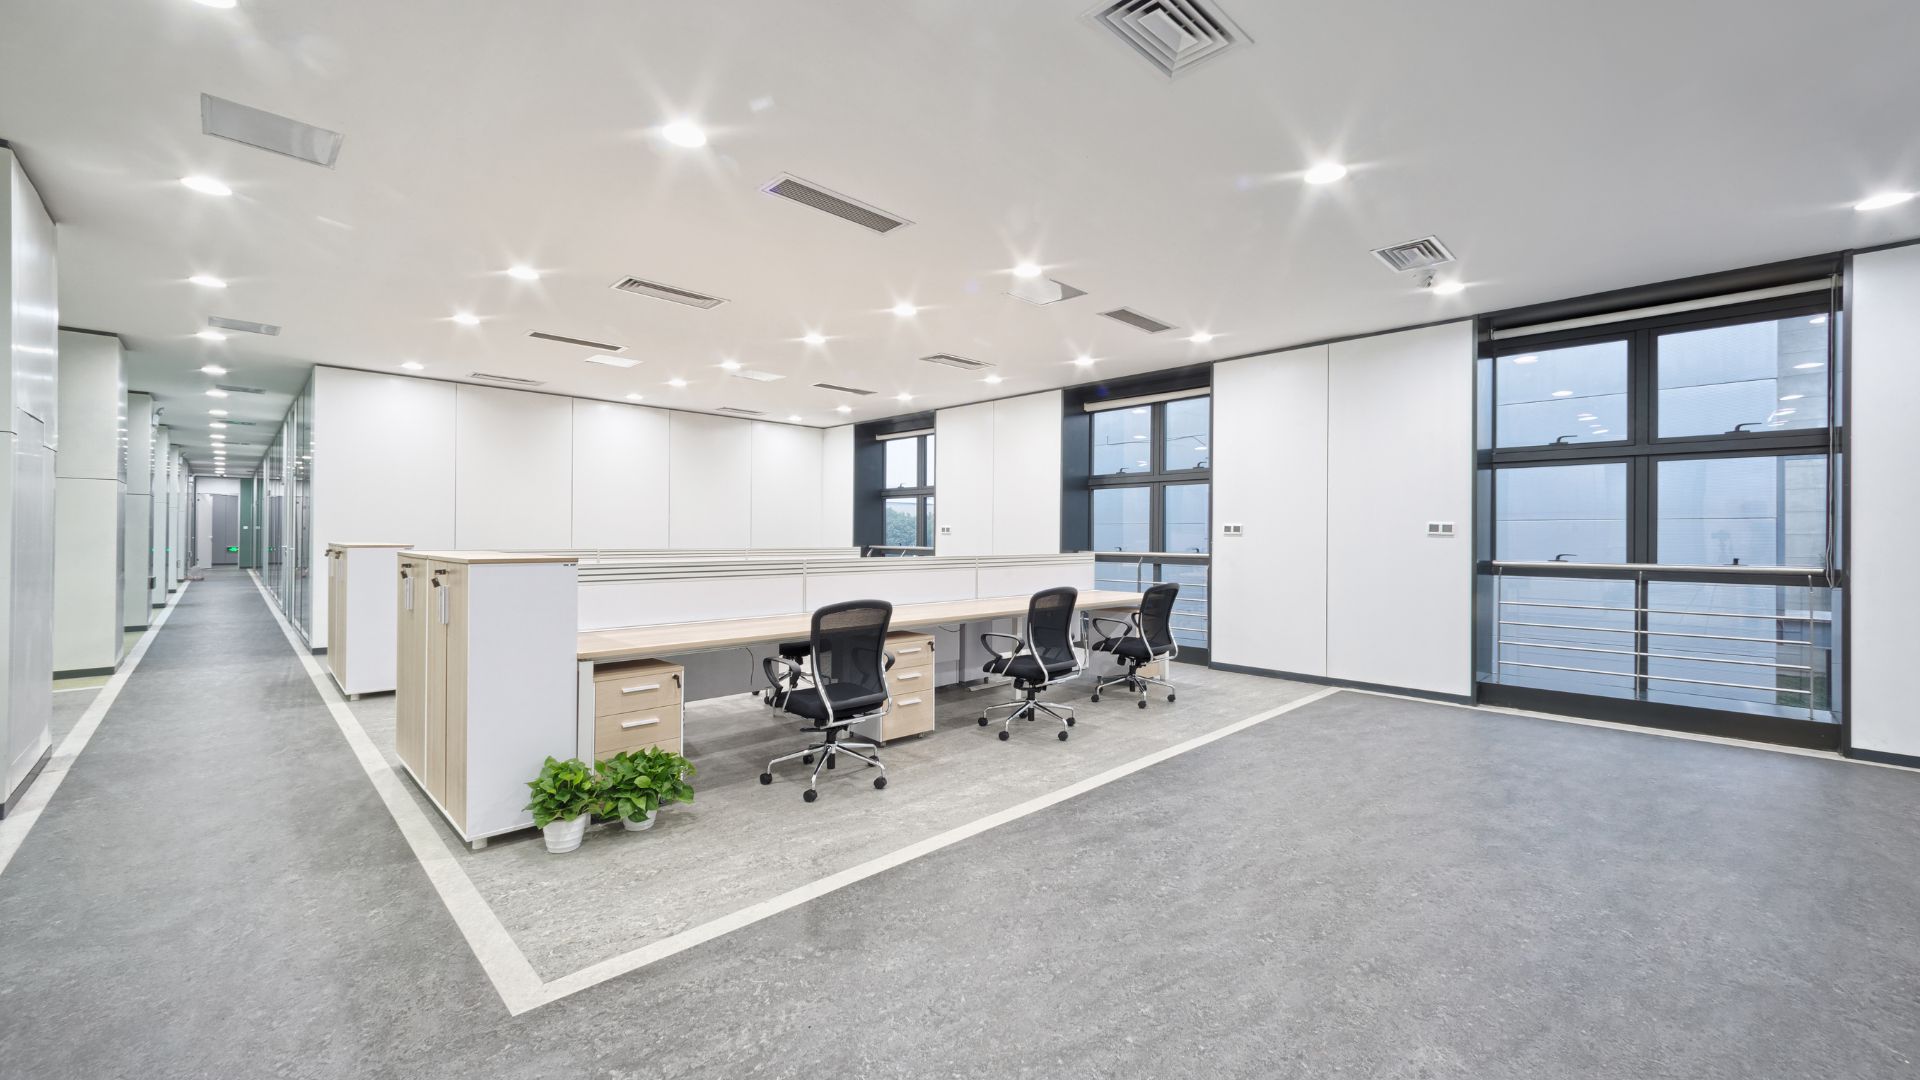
<point x="677" y="383"/>
<point x="1139" y="436"/>
<point x="1447" y="288"/>
<point x="1817" y="320"/>
<point x="207" y="281"/>
<point x="844" y="409"/>
<point x="216" y="393"/>
<point x="684" y="133"/>
<point x="212" y="369"/>
<point x="992" y="380"/>
<point x="523" y="273"/>
<point x="1325" y="173"/>
<point x="1883" y="200"/>
<point x="1600" y="431"/>
<point x="1027" y="270"/>
<point x="903" y="396"/>
<point x="217" y="424"/>
<point x="1083" y="361"/>
<point x="216" y="412"/>
<point x="1563" y="393"/>
<point x="217" y="438"/>
<point x="1784" y="412"/>
<point x="611" y="361"/>
<point x="1791" y="397"/>
<point x="1200" y="337"/>
<point x="635" y="397"/>
<point x="730" y="365"/>
<point x="206" y="185"/>
<point x="814" y="338"/>
<point x="211" y="335"/>
<point x="1527" y="359"/>
<point x="466" y="318"/>
<point x="412" y="365"/>
<point x="794" y="419"/>
<point x="1809" y="366"/>
<point x="905" y="310"/>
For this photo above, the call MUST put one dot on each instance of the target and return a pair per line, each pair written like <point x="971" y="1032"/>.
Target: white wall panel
<point x="1269" y="586"/>
<point x="620" y="465"/>
<point x="711" y="485"/>
<point x="1026" y="474"/>
<point x="89" y="533"/>
<point x="161" y="506"/>
<point x="1400" y="454"/>
<point x="384" y="460"/>
<point x="786" y="485"/>
<point x="964" y="477"/>
<point x="1883" y="591"/>
<point x="836" y="487"/>
<point x="513" y="470"/>
<point x="137" y="603"/>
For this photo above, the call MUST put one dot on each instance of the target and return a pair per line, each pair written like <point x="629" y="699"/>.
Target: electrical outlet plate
<point x="1440" y="530"/>
<point x="1232" y="530"/>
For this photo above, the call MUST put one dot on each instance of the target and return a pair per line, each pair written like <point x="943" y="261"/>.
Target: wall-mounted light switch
<point x="1440" y="530"/>
<point x="1233" y="530"/>
<point x="946" y="530"/>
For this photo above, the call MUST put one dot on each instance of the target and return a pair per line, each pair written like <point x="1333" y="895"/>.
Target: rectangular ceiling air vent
<point x="1043" y="291"/>
<point x="757" y="376"/>
<point x="640" y="287"/>
<point x="735" y="410"/>
<point x="243" y="326"/>
<point x="263" y="130"/>
<point x="961" y="362"/>
<point x="1172" y="35"/>
<point x="843" y="389"/>
<point x="1138" y="321"/>
<point x="597" y="346"/>
<point x="807" y="193"/>
<point x="238" y="389"/>
<point x="1422" y="254"/>
<point x="510" y="380"/>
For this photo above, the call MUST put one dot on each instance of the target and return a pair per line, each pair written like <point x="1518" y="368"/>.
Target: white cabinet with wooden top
<point x="361" y="617"/>
<point x="911" y="683"/>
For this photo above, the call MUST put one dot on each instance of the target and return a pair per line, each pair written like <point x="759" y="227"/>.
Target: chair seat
<point x="796" y="650"/>
<point x="1027" y="668"/>
<point x="848" y="701"/>
<point x="1126" y="648"/>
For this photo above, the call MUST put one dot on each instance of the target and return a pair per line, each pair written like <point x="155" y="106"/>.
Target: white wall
<point x="997" y="477"/>
<point x="137" y="605"/>
<point x="836" y="487"/>
<point x="786" y="486"/>
<point x="513" y="469"/>
<point x="710" y="482"/>
<point x="1883" y="592"/>
<point x="1334" y="459"/>
<point x="157" y="572"/>
<point x="620" y="468"/>
<point x="963" y="467"/>
<point x="90" y="493"/>
<point x="1269" y="594"/>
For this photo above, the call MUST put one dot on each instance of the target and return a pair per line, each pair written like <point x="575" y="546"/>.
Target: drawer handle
<point x="909" y="676"/>
<point x="910" y="652"/>
<point x="640" y="689"/>
<point x="904" y="702"/>
<point x="629" y="725"/>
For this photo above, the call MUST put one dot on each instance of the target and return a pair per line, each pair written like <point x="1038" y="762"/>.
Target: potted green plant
<point x="634" y="785"/>
<point x="563" y="798"/>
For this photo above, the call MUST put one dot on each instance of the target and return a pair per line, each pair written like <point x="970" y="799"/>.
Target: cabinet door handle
<point x="640" y="689"/>
<point x="444" y="618"/>
<point x="629" y="725"/>
<point x="406" y="590"/>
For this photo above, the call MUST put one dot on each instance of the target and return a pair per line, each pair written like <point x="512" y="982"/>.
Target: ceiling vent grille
<point x="1043" y="291"/>
<point x="239" y="389"/>
<point x="263" y="130"/>
<point x="1422" y="254"/>
<point x="735" y="410"/>
<point x="757" y="376"/>
<point x="807" y="193"/>
<point x="1173" y="35"/>
<point x="597" y="346"/>
<point x="961" y="362"/>
<point x="843" y="389"/>
<point x="510" y="380"/>
<point x="243" y="326"/>
<point x="641" y="287"/>
<point x="1132" y="318"/>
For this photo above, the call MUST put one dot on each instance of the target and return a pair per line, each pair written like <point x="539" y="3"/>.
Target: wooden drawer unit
<point x="911" y="682"/>
<point x="636" y="704"/>
<point x="631" y="731"/>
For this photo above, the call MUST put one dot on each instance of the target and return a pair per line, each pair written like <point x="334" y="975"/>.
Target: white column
<point x="137" y="461"/>
<point x="158" y="570"/>
<point x="90" y="489"/>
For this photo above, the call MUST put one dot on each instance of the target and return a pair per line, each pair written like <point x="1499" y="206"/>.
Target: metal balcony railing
<point x="1137" y="571"/>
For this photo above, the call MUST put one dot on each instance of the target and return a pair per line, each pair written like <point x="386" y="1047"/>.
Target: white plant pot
<point x="564" y="836"/>
<point x="639" y="826"/>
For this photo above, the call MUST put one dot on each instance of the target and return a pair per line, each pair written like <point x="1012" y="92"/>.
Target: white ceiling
<point x="1558" y="149"/>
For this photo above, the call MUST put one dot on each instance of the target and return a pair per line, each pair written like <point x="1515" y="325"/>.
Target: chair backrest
<point x="1156" y="616"/>
<point x="1050" y="625"/>
<point x="850" y="644"/>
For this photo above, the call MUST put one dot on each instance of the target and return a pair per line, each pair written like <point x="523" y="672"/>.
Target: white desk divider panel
<point x="361" y="612"/>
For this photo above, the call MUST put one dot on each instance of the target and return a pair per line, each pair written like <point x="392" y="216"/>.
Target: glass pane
<point x="903" y="463"/>
<point x="1120" y="441"/>
<point x="1562" y="396"/>
<point x="1190" y="607"/>
<point x="1186" y="518"/>
<point x="1187" y="424"/>
<point x="1763" y="376"/>
<point x="1567" y="634"/>
<point x="1756" y="511"/>
<point x="1121" y="519"/>
<point x="903" y="522"/>
<point x="1762" y="648"/>
<point x="928" y="482"/>
<point x="1575" y="511"/>
<point x="930" y="533"/>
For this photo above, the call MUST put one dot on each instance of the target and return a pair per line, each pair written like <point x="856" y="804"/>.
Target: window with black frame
<point x="907" y="491"/>
<point x="1149" y="489"/>
<point x="1660" y="517"/>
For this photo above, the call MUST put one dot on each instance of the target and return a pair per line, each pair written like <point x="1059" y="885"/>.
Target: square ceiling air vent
<point x="238" y="389"/>
<point x="1172" y="35"/>
<point x="263" y="130"/>
<point x="843" y="389"/>
<point x="640" y="287"/>
<point x="757" y="376"/>
<point x="597" y="346"/>
<point x="735" y="410"/>
<point x="1132" y="318"/>
<point x="510" y="380"/>
<point x="243" y="326"/>
<point x="1043" y="291"/>
<point x="808" y="193"/>
<point x="1422" y="254"/>
<point x="961" y="362"/>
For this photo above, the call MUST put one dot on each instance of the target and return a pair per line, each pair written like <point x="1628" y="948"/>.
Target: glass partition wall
<point x="1658" y="502"/>
<point x="1151" y="507"/>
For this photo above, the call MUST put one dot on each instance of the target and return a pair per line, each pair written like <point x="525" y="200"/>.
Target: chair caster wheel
<point x="1169" y="697"/>
<point x="983" y="721"/>
<point x="766" y="778"/>
<point x="807" y="760"/>
<point x="1143" y="703"/>
<point x="1096" y="697"/>
<point x="809" y="795"/>
<point x="879" y="783"/>
<point x="1071" y="721"/>
<point x="1063" y="736"/>
<point x="1005" y="735"/>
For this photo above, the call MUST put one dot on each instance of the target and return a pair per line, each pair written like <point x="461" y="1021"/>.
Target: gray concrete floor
<point x="1364" y="887"/>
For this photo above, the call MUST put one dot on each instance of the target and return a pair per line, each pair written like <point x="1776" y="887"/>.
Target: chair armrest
<point x="1019" y="645"/>
<point x="889" y="660"/>
<point x="769" y="663"/>
<point x="1125" y="628"/>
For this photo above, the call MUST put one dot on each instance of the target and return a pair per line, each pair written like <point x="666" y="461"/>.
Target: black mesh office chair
<point x="1146" y="636"/>
<point x="785" y="677"/>
<point x="1044" y="654"/>
<point x="850" y="664"/>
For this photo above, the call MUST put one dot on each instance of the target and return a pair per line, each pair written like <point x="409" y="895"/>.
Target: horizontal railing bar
<point x="1657" y="611"/>
<point x="1662" y="678"/>
<point x="1664" y="633"/>
<point x="1658" y="656"/>
<point x="1668" y="568"/>
<point x="1151" y="556"/>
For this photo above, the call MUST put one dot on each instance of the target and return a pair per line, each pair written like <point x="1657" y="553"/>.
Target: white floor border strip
<point x="15" y="826"/>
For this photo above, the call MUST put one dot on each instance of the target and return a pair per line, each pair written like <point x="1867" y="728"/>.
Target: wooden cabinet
<point x="361" y="617"/>
<point x="911" y="684"/>
<point x="637" y="704"/>
<point x="410" y="656"/>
